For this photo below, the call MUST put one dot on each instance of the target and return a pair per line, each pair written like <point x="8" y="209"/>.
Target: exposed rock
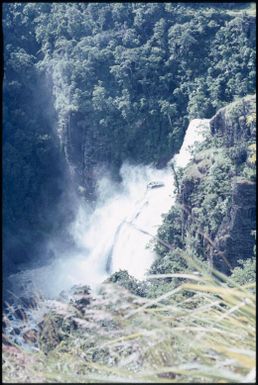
<point x="31" y="336"/>
<point x="15" y="331"/>
<point x="50" y="329"/>
<point x="167" y="375"/>
<point x="234" y="126"/>
<point x="29" y="302"/>
<point x="234" y="239"/>
<point x="20" y="313"/>
<point x="6" y="341"/>
<point x="231" y="122"/>
<point x="81" y="298"/>
<point x="187" y="187"/>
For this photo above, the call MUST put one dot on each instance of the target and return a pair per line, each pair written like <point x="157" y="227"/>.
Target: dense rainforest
<point x="109" y="82"/>
<point x="88" y="89"/>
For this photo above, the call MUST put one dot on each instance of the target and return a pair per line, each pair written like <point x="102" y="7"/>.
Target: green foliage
<point x="250" y="173"/>
<point x="30" y="191"/>
<point x="203" y="205"/>
<point x="170" y="231"/>
<point x="249" y="170"/>
<point x="213" y="194"/>
<point x="245" y="273"/>
<point x="135" y="71"/>
<point x="238" y="154"/>
<point x="204" y="337"/>
<point x="122" y="278"/>
<point x="172" y="262"/>
<point x="119" y="81"/>
<point x="128" y="77"/>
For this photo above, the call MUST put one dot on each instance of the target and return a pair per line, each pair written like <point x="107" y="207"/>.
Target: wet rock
<point x="4" y="323"/>
<point x="63" y="296"/>
<point x="6" y="341"/>
<point x="20" y="314"/>
<point x="81" y="298"/>
<point x="30" y="302"/>
<point x="15" y="331"/>
<point x="31" y="336"/>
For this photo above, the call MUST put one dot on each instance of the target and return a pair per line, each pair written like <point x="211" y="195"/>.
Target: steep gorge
<point x="217" y="199"/>
<point x="110" y="83"/>
<point x="129" y="153"/>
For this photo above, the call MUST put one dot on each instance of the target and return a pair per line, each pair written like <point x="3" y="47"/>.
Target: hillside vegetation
<point x="110" y="82"/>
<point x="202" y="331"/>
<point x="88" y="86"/>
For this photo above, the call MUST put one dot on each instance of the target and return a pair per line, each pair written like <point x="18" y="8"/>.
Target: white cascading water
<point x="118" y="233"/>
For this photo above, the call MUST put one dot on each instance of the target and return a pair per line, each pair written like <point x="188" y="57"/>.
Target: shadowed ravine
<point x="129" y="184"/>
<point x="109" y="239"/>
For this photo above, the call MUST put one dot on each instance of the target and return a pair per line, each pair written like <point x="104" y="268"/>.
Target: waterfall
<point x="131" y="250"/>
<point x="64" y="103"/>
<point x="118" y="233"/>
<point x="195" y="133"/>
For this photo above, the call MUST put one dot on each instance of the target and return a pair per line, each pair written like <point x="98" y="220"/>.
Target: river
<point x="119" y="233"/>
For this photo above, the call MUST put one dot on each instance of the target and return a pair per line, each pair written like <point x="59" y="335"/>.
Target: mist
<point x="107" y="234"/>
<point x="117" y="232"/>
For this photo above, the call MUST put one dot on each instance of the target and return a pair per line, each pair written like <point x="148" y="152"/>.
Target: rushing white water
<point x="117" y="234"/>
<point x="195" y="133"/>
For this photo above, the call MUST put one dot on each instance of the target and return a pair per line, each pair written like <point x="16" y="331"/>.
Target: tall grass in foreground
<point x="201" y="331"/>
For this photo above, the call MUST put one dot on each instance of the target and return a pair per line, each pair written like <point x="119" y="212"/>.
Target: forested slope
<point x="109" y="82"/>
<point x="214" y="216"/>
<point x="88" y="86"/>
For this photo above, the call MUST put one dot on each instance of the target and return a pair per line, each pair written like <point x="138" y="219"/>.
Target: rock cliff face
<point x="217" y="196"/>
<point x="234" y="239"/>
<point x="230" y="123"/>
